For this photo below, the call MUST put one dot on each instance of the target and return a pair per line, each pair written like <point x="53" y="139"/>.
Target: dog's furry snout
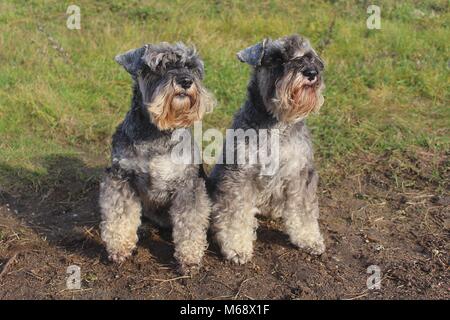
<point x="310" y="73"/>
<point x="185" y="82"/>
<point x="299" y="90"/>
<point x="297" y="96"/>
<point x="179" y="105"/>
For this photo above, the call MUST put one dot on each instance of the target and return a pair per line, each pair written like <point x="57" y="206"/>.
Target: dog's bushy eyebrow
<point x="159" y="55"/>
<point x="163" y="54"/>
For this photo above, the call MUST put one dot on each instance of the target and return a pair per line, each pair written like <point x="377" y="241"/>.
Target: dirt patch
<point x="374" y="217"/>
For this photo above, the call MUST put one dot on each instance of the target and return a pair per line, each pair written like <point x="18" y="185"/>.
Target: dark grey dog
<point x="285" y="87"/>
<point x="143" y="178"/>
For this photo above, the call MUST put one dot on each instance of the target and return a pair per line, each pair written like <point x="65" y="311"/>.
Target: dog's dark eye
<point x="274" y="61"/>
<point x="321" y="65"/>
<point x="192" y="67"/>
<point x="308" y="55"/>
<point x="279" y="60"/>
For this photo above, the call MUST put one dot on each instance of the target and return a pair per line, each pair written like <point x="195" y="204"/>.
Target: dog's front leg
<point x="235" y="223"/>
<point x="189" y="214"/>
<point x="301" y="213"/>
<point x="121" y="216"/>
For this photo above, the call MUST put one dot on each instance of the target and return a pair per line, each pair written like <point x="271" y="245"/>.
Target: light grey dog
<point x="143" y="178"/>
<point x="285" y="87"/>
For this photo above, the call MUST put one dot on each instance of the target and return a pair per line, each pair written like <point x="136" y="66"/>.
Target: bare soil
<point x="382" y="214"/>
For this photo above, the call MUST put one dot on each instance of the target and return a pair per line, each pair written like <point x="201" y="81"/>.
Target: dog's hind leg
<point x="189" y="214"/>
<point x="121" y="216"/>
<point x="301" y="213"/>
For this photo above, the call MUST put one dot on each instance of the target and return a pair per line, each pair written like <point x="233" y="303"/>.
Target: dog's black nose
<point x="185" y="82"/>
<point x="310" y="74"/>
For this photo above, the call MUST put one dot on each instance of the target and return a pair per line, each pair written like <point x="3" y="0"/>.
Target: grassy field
<point x="381" y="140"/>
<point x="61" y="93"/>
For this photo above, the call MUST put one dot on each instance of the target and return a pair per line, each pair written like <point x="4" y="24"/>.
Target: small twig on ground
<point x="34" y="275"/>
<point x="158" y="280"/>
<point x="8" y="264"/>
<point x="89" y="232"/>
<point x="171" y="288"/>
<point x="240" y="287"/>
<point x="283" y="254"/>
<point x="224" y="284"/>
<point x="363" y="294"/>
<point x="219" y="297"/>
<point x="172" y="279"/>
<point x="74" y="290"/>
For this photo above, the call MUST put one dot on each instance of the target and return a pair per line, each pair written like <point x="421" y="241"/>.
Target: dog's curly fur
<point x="285" y="87"/>
<point x="143" y="179"/>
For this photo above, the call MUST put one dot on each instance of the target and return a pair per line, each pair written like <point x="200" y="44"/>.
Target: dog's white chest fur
<point x="294" y="155"/>
<point x="162" y="167"/>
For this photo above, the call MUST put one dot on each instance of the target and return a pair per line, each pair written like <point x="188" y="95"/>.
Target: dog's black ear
<point x="132" y="60"/>
<point x="253" y="55"/>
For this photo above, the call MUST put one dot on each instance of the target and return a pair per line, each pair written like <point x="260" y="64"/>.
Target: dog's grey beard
<point x="296" y="98"/>
<point x="169" y="110"/>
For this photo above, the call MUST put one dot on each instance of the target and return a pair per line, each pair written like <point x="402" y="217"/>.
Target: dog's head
<point x="288" y="74"/>
<point x="170" y="80"/>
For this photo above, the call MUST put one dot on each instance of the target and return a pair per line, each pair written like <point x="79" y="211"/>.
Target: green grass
<point x="387" y="90"/>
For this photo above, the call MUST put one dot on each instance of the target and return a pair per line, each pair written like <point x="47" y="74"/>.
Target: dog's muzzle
<point x="311" y="75"/>
<point x="184" y="82"/>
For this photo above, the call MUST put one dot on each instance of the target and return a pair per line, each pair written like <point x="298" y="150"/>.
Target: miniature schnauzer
<point x="167" y="94"/>
<point x="285" y="87"/>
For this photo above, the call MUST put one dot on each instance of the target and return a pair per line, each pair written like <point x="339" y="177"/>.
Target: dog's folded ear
<point x="253" y="55"/>
<point x="132" y="60"/>
<point x="262" y="52"/>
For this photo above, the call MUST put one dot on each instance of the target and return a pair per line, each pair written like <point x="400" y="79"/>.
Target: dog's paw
<point x="238" y="257"/>
<point x="315" y="247"/>
<point x="118" y="257"/>
<point x="189" y="269"/>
